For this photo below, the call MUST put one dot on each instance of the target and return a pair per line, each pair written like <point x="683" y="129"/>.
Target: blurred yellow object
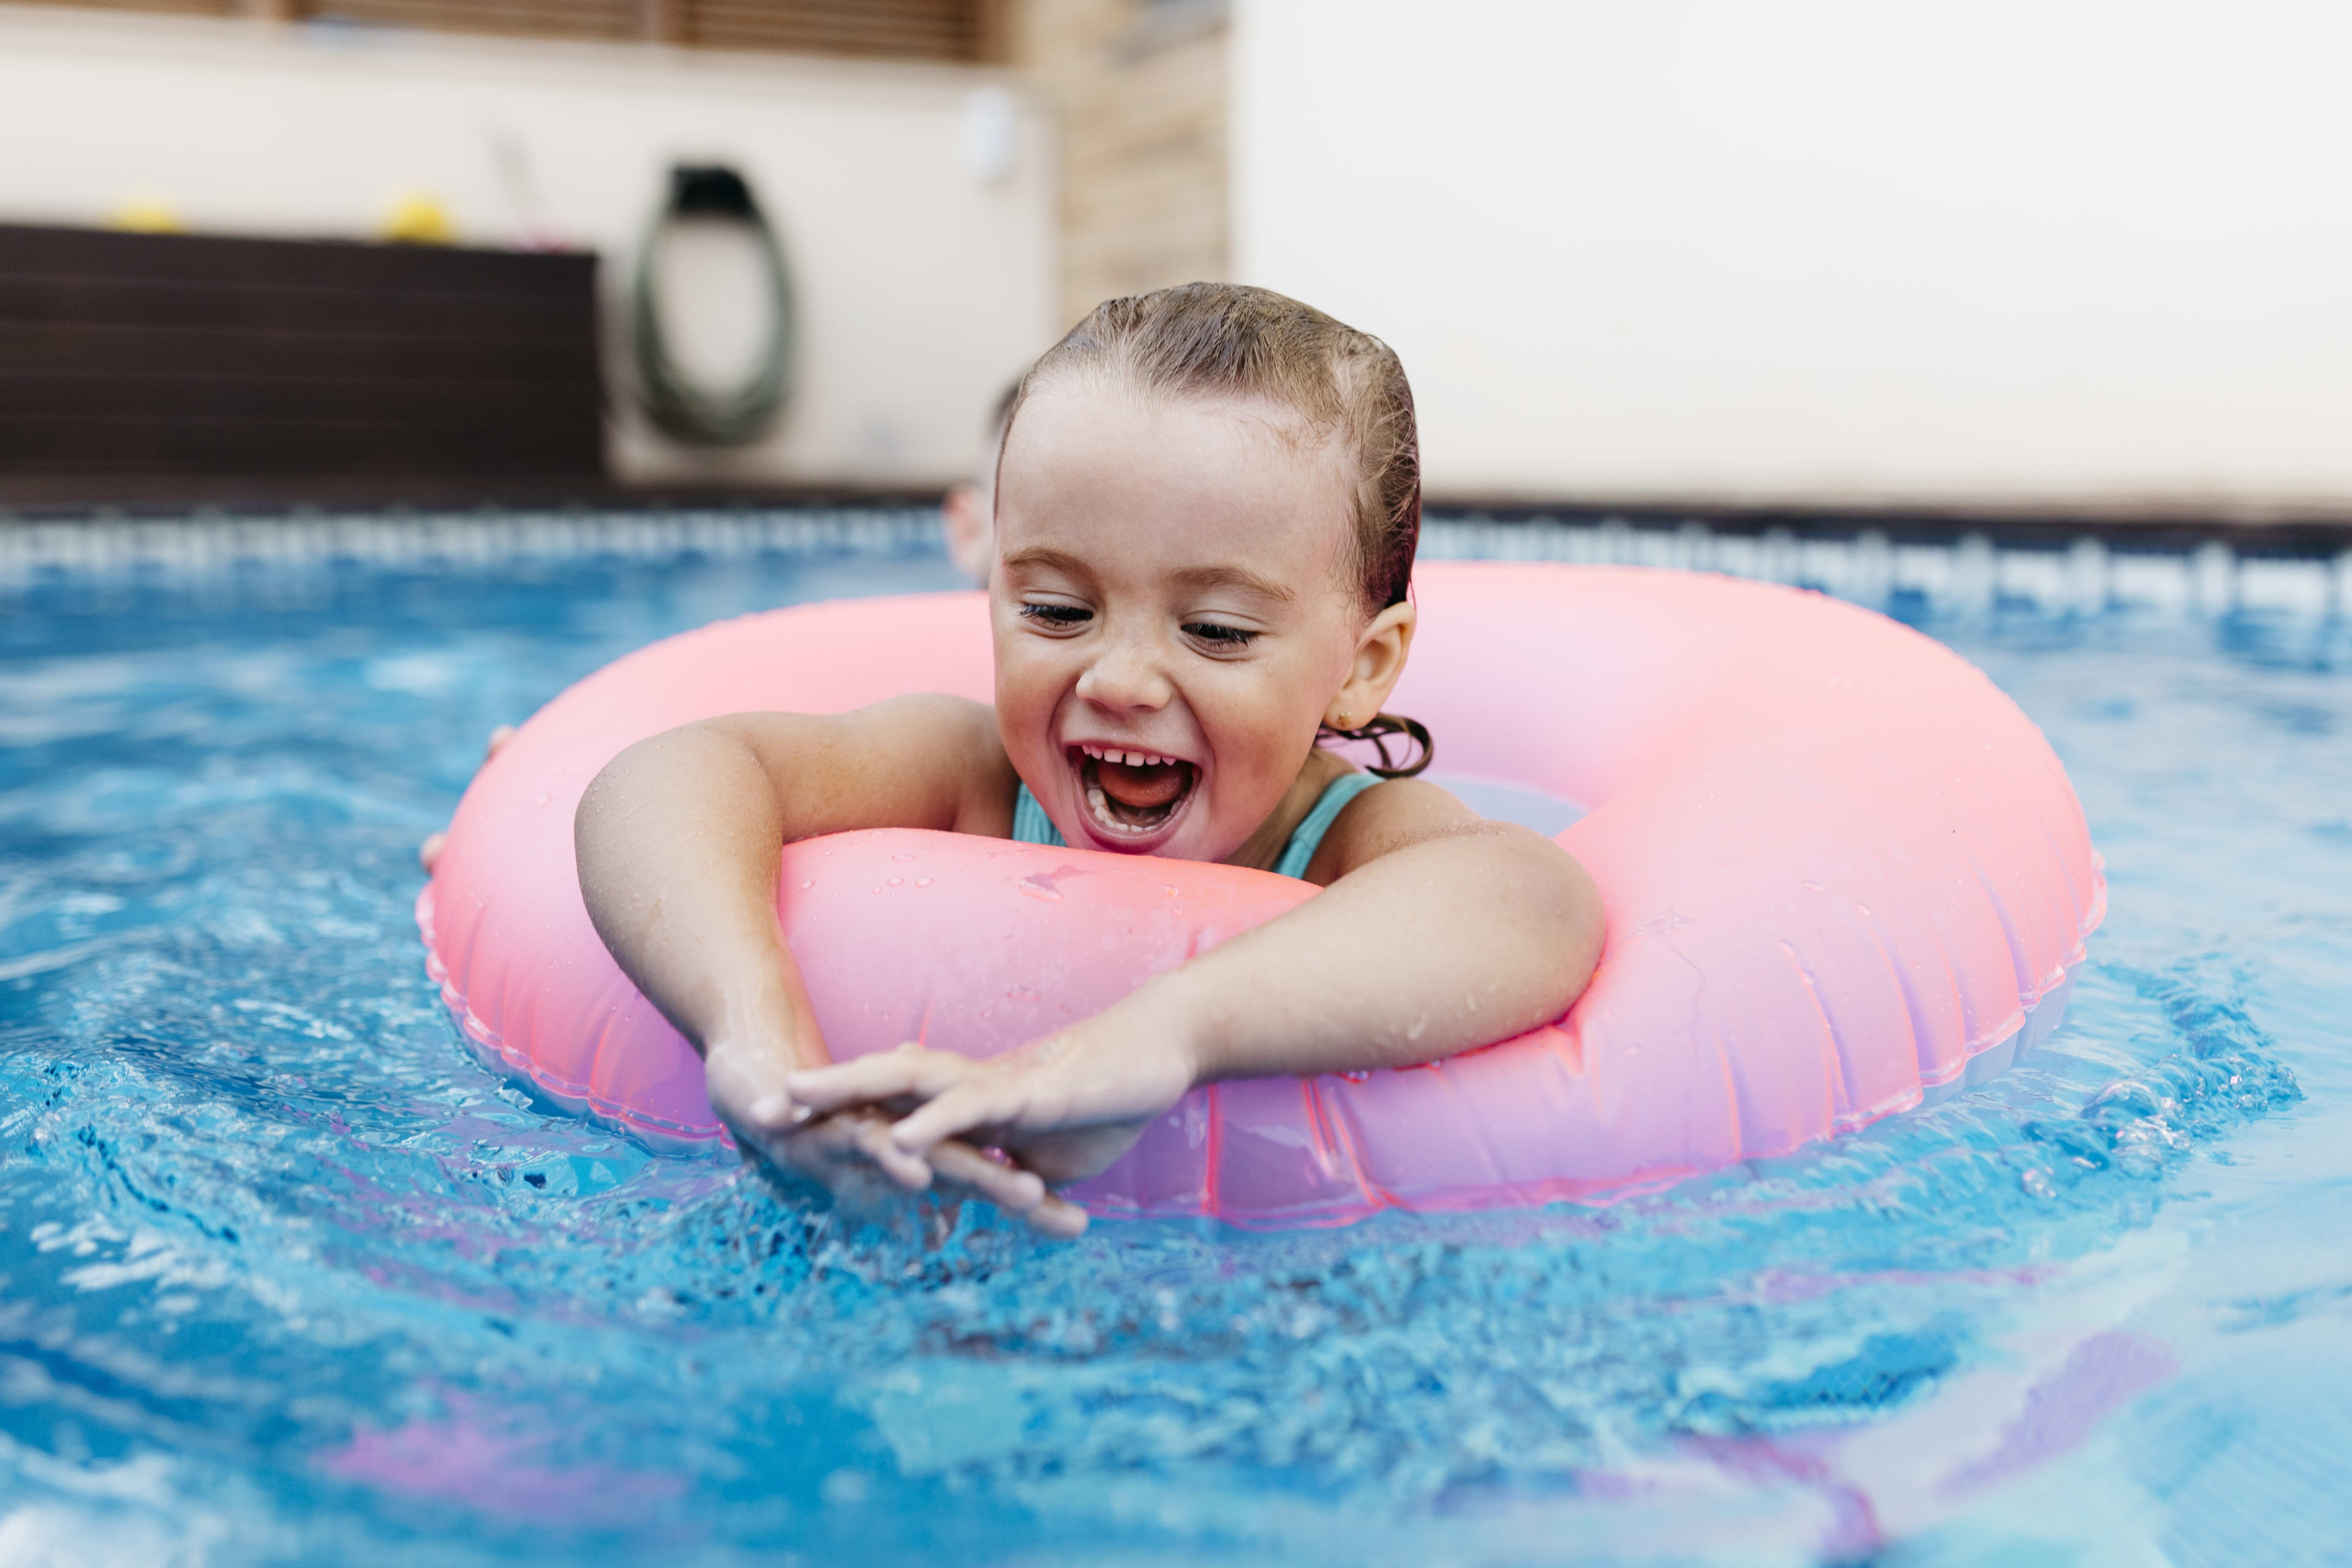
<point x="143" y="209"/>
<point x="417" y="218"/>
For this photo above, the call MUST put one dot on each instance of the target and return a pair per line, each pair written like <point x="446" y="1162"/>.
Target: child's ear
<point x="1380" y="661"/>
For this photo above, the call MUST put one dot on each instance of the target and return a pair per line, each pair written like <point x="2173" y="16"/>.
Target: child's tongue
<point x="1147" y="787"/>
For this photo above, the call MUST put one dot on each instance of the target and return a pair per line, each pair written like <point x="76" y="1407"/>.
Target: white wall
<point x="2007" y="252"/>
<point x="923" y="286"/>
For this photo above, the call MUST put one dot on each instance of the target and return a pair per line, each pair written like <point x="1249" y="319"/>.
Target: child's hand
<point x="1064" y="1107"/>
<point x="853" y="1155"/>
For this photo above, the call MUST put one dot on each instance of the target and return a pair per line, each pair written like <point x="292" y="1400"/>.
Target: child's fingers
<point x="957" y="1110"/>
<point x="844" y="1084"/>
<point x="871" y="1137"/>
<point x="778" y="1110"/>
<point x="885" y="1075"/>
<point x="1009" y="1187"/>
<point x="745" y="1083"/>
<point x="1015" y="1191"/>
<point x="1057" y="1217"/>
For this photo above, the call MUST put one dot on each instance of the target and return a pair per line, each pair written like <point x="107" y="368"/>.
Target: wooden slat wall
<point x="169" y="7"/>
<point x="141" y="357"/>
<point x="606" y="19"/>
<point x="904" y="30"/>
<point x="886" y="29"/>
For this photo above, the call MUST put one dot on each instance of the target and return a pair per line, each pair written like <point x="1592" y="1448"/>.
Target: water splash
<point x="289" y="1280"/>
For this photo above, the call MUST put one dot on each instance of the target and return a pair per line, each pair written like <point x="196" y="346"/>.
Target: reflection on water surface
<point x="287" y="1278"/>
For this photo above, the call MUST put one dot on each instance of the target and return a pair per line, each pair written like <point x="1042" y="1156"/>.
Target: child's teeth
<point x="1123" y="758"/>
<point x="1098" y="803"/>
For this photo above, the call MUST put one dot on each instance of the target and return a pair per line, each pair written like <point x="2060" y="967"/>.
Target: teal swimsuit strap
<point x="1030" y="822"/>
<point x="1032" y="826"/>
<point x="1309" y="835"/>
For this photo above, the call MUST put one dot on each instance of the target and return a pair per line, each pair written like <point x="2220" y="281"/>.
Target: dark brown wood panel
<point x="440" y="357"/>
<point x="168" y="8"/>
<point x="917" y="29"/>
<point x="330" y="264"/>
<point x="146" y="356"/>
<point x="38" y="298"/>
<point x="100" y="395"/>
<point x="884" y="29"/>
<point x="435" y="449"/>
<point x="606" y="19"/>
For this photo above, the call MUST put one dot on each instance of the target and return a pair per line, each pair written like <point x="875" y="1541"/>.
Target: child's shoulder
<point x="925" y="760"/>
<point x="955" y="722"/>
<point x="959" y="737"/>
<point x="1385" y="818"/>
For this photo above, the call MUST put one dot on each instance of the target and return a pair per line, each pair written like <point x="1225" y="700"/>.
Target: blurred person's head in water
<point x="968" y="511"/>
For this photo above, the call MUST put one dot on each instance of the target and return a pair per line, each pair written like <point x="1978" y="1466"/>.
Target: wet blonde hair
<point x="1228" y="340"/>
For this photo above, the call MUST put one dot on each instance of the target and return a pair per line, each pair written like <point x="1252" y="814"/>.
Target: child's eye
<point x="1057" y="615"/>
<point x="1216" y="636"/>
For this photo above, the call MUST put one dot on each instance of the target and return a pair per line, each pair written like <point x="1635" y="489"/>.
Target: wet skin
<point x="1174" y="582"/>
<point x="1175" y="610"/>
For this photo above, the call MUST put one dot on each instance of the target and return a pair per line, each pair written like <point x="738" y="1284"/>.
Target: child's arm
<point x="678" y="841"/>
<point x="1438" y="931"/>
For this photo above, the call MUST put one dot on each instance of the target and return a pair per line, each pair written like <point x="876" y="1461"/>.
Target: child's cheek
<point x="1023" y="681"/>
<point x="1021" y="719"/>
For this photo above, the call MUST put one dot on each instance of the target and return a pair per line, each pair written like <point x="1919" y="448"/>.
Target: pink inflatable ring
<point x="1842" y="872"/>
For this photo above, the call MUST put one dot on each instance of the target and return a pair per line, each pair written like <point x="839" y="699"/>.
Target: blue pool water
<point x="285" y="1277"/>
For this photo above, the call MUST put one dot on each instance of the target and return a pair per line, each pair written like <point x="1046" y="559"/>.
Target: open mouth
<point x="1131" y="795"/>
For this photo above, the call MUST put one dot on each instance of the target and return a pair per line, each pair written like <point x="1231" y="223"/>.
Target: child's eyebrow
<point x="1196" y="578"/>
<point x="1052" y="559"/>
<point x="1235" y="577"/>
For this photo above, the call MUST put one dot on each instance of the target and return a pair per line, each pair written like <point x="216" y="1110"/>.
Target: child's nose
<point x="1125" y="676"/>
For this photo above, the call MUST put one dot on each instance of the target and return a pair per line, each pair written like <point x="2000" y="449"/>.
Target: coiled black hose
<point x="709" y="417"/>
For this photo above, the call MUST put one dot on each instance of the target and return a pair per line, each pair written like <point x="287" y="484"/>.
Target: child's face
<point x="1169" y="587"/>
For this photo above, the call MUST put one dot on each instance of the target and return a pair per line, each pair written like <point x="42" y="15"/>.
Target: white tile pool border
<point x="1972" y="575"/>
<point x="200" y="546"/>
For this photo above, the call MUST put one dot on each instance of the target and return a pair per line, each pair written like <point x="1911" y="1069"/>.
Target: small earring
<point x="1345" y="720"/>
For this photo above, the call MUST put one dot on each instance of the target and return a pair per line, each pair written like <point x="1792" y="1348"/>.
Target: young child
<point x="1206" y="509"/>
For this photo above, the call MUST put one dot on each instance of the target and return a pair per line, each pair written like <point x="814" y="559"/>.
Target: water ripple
<point x="284" y="1277"/>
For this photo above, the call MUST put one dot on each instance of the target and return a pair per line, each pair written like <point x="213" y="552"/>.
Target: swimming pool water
<point x="286" y="1278"/>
